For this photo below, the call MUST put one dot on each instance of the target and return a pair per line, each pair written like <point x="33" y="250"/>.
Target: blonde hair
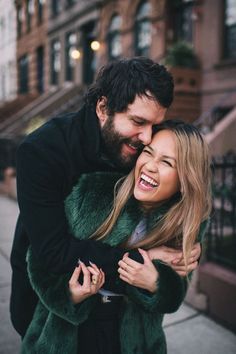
<point x="180" y="225"/>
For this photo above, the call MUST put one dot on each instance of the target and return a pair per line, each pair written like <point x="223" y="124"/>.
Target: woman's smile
<point x="156" y="176"/>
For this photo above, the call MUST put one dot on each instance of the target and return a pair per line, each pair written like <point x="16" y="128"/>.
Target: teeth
<point x="132" y="146"/>
<point x="149" y="180"/>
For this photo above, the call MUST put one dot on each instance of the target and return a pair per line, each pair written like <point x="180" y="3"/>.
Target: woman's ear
<point x="101" y="110"/>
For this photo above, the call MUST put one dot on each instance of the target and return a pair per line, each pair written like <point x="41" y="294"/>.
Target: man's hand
<point x="141" y="275"/>
<point x="174" y="258"/>
<point x="89" y="287"/>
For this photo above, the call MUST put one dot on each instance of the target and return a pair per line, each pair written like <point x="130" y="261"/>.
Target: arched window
<point x="143" y="27"/>
<point x="183" y="20"/>
<point x="114" y="38"/>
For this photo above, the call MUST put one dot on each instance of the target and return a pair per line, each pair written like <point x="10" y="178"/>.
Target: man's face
<point x="125" y="133"/>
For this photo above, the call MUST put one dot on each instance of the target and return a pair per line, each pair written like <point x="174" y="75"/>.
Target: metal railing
<point x="221" y="240"/>
<point x="208" y="119"/>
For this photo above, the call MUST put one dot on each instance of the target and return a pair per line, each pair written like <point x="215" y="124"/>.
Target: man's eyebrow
<point x="137" y="117"/>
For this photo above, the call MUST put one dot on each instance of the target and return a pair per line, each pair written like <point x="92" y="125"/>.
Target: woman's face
<point x="156" y="177"/>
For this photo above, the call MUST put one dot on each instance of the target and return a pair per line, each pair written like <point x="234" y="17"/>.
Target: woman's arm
<point x="153" y="285"/>
<point x="60" y="294"/>
<point x="170" y="287"/>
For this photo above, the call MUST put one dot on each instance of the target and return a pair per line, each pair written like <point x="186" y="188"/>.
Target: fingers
<point x="93" y="265"/>
<point x="129" y="262"/>
<point x="183" y="271"/>
<point x="196" y="251"/>
<point x="125" y="266"/>
<point x="145" y="255"/>
<point x="87" y="278"/>
<point x="75" y="276"/>
<point x="193" y="257"/>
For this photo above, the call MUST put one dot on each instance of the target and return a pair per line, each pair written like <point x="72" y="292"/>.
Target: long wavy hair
<point x="180" y="226"/>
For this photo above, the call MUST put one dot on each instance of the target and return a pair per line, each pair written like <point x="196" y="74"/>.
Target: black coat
<point x="49" y="162"/>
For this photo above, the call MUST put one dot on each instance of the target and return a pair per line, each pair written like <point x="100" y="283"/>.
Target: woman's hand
<point x="141" y="275"/>
<point x="174" y="258"/>
<point x="93" y="280"/>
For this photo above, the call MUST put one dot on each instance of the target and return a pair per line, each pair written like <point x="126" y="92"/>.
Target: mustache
<point x="135" y="143"/>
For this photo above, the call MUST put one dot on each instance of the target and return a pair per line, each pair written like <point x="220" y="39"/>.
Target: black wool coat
<point x="49" y="162"/>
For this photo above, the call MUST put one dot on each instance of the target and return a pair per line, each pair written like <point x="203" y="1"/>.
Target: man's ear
<point x="101" y="110"/>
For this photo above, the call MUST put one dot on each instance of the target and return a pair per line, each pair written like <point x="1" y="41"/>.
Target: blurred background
<point x="50" y="51"/>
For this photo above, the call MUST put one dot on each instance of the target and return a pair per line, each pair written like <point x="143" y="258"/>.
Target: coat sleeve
<point x="41" y="178"/>
<point x="53" y="292"/>
<point x="171" y="288"/>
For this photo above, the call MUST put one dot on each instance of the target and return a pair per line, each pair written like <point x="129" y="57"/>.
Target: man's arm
<point x="40" y="183"/>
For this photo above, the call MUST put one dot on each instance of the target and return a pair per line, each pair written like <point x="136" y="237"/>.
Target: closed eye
<point x="138" y="122"/>
<point x="148" y="152"/>
<point x="167" y="163"/>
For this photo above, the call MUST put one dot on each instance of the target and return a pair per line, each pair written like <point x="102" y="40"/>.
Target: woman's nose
<point x="152" y="166"/>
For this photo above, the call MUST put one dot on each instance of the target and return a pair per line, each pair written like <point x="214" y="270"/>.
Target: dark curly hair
<point x="121" y="80"/>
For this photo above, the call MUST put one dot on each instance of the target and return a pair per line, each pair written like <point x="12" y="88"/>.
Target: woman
<point x="165" y="200"/>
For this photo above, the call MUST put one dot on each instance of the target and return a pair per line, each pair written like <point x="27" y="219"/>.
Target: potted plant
<point x="185" y="68"/>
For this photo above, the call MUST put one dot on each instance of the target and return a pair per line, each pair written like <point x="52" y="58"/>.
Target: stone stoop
<point x="219" y="285"/>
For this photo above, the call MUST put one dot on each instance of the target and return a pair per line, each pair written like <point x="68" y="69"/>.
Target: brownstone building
<point x="151" y="27"/>
<point x="32" y="56"/>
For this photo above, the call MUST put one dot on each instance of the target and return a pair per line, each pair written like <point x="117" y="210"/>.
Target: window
<point x="70" y="2"/>
<point x="230" y="29"/>
<point x="55" y="61"/>
<point x="71" y="43"/>
<point x="143" y="30"/>
<point x="183" y="21"/>
<point x="114" y="38"/>
<point x="29" y="13"/>
<point x="56" y="7"/>
<point x="20" y="18"/>
<point x="40" y="69"/>
<point x="40" y="10"/>
<point x="23" y="69"/>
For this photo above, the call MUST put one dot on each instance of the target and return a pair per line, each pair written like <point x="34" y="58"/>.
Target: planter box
<point x="186" y="80"/>
<point x="187" y="99"/>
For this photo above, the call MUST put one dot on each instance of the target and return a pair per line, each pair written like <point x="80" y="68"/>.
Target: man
<point x="129" y="97"/>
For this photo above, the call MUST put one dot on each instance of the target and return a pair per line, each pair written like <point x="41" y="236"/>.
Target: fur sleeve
<point x="171" y="288"/>
<point x="53" y="293"/>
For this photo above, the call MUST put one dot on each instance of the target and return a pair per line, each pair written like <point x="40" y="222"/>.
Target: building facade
<point x="72" y="28"/>
<point x="8" y="82"/>
<point x="32" y="56"/>
<point x="151" y="28"/>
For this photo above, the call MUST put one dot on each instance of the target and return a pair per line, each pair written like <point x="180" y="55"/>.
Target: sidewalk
<point x="187" y="331"/>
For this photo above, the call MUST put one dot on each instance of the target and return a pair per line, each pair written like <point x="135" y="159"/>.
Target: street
<point x="187" y="331"/>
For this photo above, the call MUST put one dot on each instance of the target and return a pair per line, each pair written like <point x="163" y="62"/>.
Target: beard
<point x="113" y="142"/>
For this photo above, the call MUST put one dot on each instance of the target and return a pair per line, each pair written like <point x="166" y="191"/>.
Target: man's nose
<point x="145" y="136"/>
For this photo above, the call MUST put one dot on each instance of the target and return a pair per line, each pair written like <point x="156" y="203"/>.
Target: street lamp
<point x="75" y="54"/>
<point x="95" y="45"/>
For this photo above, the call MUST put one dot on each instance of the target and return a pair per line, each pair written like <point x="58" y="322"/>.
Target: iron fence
<point x="221" y="240"/>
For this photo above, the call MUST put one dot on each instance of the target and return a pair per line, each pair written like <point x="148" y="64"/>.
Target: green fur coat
<point x="56" y="321"/>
